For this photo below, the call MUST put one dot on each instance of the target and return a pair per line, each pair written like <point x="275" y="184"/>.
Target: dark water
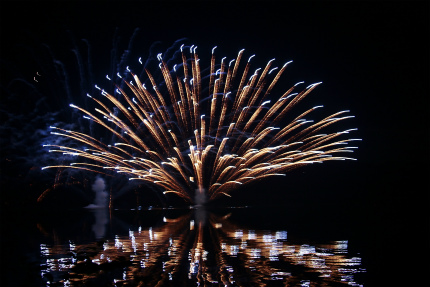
<point x="184" y="247"/>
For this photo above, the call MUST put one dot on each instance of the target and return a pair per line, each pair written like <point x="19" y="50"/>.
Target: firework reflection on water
<point x="194" y="250"/>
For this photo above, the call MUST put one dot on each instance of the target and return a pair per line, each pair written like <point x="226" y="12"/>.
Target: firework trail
<point x="200" y="137"/>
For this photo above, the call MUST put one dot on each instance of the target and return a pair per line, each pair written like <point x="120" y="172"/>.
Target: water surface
<point x="190" y="247"/>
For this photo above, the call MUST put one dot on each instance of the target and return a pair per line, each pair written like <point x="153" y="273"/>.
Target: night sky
<point x="373" y="59"/>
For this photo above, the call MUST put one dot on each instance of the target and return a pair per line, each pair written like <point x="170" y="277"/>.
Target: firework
<point x="202" y="136"/>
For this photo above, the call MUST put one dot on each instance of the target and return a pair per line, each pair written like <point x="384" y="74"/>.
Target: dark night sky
<point x="372" y="57"/>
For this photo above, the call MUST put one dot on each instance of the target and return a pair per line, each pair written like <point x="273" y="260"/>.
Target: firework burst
<point x="201" y="136"/>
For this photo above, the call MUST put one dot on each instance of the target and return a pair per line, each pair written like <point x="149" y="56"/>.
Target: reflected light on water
<point x="195" y="250"/>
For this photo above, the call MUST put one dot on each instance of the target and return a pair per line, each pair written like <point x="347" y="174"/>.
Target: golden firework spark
<point x="205" y="135"/>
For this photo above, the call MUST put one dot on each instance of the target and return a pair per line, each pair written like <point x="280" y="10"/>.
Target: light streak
<point x="163" y="137"/>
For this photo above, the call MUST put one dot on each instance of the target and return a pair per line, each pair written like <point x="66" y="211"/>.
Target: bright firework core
<point x="200" y="137"/>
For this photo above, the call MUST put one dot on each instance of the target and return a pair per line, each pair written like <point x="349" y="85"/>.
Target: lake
<point x="148" y="246"/>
